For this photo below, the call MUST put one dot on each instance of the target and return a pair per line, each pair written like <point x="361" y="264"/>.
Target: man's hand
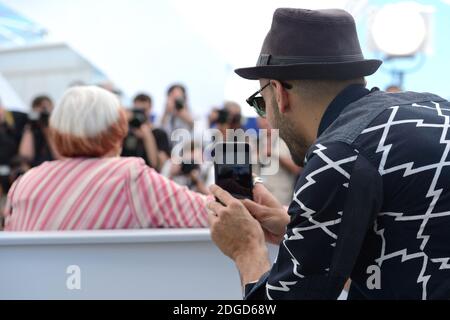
<point x="144" y="131"/>
<point x="238" y="235"/>
<point x="269" y="212"/>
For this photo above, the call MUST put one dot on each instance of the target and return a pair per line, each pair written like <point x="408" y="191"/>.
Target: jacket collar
<point x="350" y="94"/>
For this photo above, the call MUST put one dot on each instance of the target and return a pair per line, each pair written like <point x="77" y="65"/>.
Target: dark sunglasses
<point x="258" y="102"/>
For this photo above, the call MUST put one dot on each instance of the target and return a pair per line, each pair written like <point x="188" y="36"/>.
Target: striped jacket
<point x="101" y="193"/>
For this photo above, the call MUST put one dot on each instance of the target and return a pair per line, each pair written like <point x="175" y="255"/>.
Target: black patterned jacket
<point x="373" y="204"/>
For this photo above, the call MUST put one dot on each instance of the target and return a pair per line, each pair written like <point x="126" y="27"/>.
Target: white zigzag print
<point x="406" y="153"/>
<point x="284" y="286"/>
<point x="432" y="193"/>
<point x="444" y="263"/>
<point x="309" y="214"/>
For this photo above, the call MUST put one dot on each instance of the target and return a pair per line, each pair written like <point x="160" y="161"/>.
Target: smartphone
<point x="233" y="169"/>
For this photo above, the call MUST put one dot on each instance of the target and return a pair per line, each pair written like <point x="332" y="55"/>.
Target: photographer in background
<point x="227" y="118"/>
<point x="235" y="118"/>
<point x="36" y="145"/>
<point x="222" y="122"/>
<point x="143" y="140"/>
<point x="189" y="173"/>
<point x="177" y="114"/>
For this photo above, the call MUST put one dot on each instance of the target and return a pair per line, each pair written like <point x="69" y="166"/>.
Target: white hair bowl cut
<point x="86" y="112"/>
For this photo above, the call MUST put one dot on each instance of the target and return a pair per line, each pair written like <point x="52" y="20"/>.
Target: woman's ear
<point x="281" y="96"/>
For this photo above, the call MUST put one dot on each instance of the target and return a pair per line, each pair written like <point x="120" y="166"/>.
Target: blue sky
<point x="25" y="30"/>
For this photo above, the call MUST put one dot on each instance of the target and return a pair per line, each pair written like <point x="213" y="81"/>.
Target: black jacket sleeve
<point x="335" y="203"/>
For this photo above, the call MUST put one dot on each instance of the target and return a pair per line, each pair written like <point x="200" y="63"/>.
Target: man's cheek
<point x="271" y="118"/>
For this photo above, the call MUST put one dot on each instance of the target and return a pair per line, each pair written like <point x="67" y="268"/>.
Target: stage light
<point x="399" y="29"/>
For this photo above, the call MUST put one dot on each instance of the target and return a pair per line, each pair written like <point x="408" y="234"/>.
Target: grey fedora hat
<point x="311" y="44"/>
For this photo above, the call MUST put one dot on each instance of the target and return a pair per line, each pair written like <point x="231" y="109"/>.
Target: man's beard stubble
<point x="297" y="145"/>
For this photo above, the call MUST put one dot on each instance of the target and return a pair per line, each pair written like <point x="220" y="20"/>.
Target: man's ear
<point x="281" y="96"/>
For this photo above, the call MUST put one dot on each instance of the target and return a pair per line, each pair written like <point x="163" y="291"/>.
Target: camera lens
<point x="179" y="104"/>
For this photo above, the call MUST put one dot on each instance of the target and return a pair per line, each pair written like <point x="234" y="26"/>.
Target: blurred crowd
<point x="26" y="143"/>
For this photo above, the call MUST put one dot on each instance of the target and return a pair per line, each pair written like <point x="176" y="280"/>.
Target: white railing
<point x="129" y="264"/>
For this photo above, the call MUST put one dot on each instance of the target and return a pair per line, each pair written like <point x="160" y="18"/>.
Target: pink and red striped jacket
<point x="92" y="194"/>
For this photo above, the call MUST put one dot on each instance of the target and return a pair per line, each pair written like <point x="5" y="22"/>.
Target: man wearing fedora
<point x="373" y="202"/>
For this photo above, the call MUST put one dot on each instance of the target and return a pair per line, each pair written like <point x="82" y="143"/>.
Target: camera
<point x="39" y="119"/>
<point x="187" y="168"/>
<point x="179" y="104"/>
<point x="138" y="119"/>
<point x="224" y="117"/>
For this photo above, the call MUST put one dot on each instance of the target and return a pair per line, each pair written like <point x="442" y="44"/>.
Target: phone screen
<point x="233" y="170"/>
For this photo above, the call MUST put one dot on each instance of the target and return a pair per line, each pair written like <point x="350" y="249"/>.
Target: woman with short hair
<point x="93" y="188"/>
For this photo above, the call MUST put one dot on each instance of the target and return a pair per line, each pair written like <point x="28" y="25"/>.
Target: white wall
<point x="44" y="69"/>
<point x="9" y="97"/>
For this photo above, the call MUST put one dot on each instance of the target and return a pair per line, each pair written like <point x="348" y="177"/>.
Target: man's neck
<point x="314" y="117"/>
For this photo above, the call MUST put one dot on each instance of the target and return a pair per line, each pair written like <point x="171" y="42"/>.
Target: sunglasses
<point x="258" y="102"/>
